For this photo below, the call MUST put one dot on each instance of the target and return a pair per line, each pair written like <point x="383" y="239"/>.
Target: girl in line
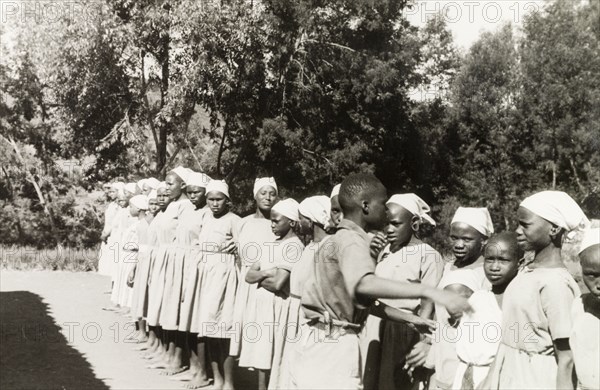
<point x="314" y="213"/>
<point x="212" y="318"/>
<point x="406" y="258"/>
<point x="534" y="352"/>
<point x="267" y="311"/>
<point x="254" y="235"/>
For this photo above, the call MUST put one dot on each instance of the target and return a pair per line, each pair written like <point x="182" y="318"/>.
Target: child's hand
<point x="131" y="278"/>
<point x="229" y="247"/>
<point x="455" y="304"/>
<point x="377" y="244"/>
<point x="418" y="355"/>
<point x="423" y="325"/>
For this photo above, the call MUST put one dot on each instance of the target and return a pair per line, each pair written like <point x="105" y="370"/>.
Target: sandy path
<point x="76" y="299"/>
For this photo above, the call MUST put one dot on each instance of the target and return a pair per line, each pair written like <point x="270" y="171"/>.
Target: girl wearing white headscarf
<point x="270" y="303"/>
<point x="254" y="234"/>
<point x="314" y="220"/>
<point x="538" y="301"/>
<point x="407" y="259"/>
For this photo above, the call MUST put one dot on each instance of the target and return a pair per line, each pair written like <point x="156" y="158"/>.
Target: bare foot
<point x="157" y="365"/>
<point x="174" y="370"/>
<point x="198" y="381"/>
<point x="142" y="347"/>
<point x="183" y="376"/>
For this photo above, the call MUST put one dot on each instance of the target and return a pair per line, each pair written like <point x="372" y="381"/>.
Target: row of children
<point x="340" y="291"/>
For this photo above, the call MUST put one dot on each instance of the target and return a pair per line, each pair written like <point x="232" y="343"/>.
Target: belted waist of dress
<point x="331" y="323"/>
<point x="295" y="296"/>
<point x="473" y="364"/>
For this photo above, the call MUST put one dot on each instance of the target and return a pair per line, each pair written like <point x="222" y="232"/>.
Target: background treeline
<point x="305" y="90"/>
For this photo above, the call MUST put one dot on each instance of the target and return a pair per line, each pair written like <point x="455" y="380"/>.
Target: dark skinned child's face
<point x="590" y="268"/>
<point x="196" y="195"/>
<point x="153" y="206"/>
<point x="501" y="262"/>
<point x="123" y="201"/>
<point x="280" y="224"/>
<point x="466" y="243"/>
<point x="217" y="202"/>
<point x="134" y="211"/>
<point x="374" y="209"/>
<point x="398" y="230"/>
<point x="175" y="186"/>
<point x="163" y="198"/>
<point x="265" y="198"/>
<point x="533" y="232"/>
<point x="336" y="211"/>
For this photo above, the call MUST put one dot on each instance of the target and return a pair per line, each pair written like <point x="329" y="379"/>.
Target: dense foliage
<point x="307" y="91"/>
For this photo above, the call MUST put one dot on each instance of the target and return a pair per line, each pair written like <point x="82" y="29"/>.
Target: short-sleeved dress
<point x="536" y="310"/>
<point x="139" y="307"/>
<point x="160" y="269"/>
<point x="211" y="291"/>
<point x="442" y="354"/>
<point x="104" y="259"/>
<point x="265" y="317"/>
<point x="416" y="262"/>
<point x="480" y="333"/>
<point x="114" y="242"/>
<point x="585" y="340"/>
<point x="254" y="233"/>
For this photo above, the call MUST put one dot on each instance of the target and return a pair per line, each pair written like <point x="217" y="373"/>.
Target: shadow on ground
<point x="35" y="353"/>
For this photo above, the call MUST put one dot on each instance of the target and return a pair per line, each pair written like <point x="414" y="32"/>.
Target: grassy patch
<point x="58" y="258"/>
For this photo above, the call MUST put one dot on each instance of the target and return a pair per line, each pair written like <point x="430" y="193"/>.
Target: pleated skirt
<point x="244" y="293"/>
<point x="264" y="329"/>
<point x="139" y="306"/>
<point x="173" y="287"/>
<point x="156" y="284"/>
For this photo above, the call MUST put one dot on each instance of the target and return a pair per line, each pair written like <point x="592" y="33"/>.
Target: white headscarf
<point x="590" y="238"/>
<point x="152" y="195"/>
<point x="118" y="186"/>
<point x="414" y="205"/>
<point x="335" y="191"/>
<point x="152" y="183"/>
<point x="466" y="277"/>
<point x="288" y="208"/>
<point x="477" y="217"/>
<point x="140" y="184"/>
<point x="131" y="187"/>
<point x="139" y="201"/>
<point x="217" y="186"/>
<point x="182" y="172"/>
<point x="161" y="185"/>
<point x="316" y="208"/>
<point x="264" y="181"/>
<point x="558" y="208"/>
<point x="198" y="179"/>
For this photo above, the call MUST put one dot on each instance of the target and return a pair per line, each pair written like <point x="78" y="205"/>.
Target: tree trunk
<point x="35" y="184"/>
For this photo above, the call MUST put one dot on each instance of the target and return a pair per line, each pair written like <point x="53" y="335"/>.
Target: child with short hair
<point x="585" y="337"/>
<point x="269" y="308"/>
<point x="341" y="285"/>
<point x="534" y="352"/>
<point x="480" y="330"/>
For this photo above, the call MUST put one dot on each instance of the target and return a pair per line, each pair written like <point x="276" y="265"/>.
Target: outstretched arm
<point x="374" y="287"/>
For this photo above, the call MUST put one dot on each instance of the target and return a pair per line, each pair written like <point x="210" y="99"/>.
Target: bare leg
<point x="262" y="379"/>
<point x="200" y="378"/>
<point x="221" y="363"/>
<point x="191" y="342"/>
<point x="176" y="354"/>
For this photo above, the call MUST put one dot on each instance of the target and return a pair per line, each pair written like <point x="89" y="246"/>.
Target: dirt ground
<point x="54" y="335"/>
